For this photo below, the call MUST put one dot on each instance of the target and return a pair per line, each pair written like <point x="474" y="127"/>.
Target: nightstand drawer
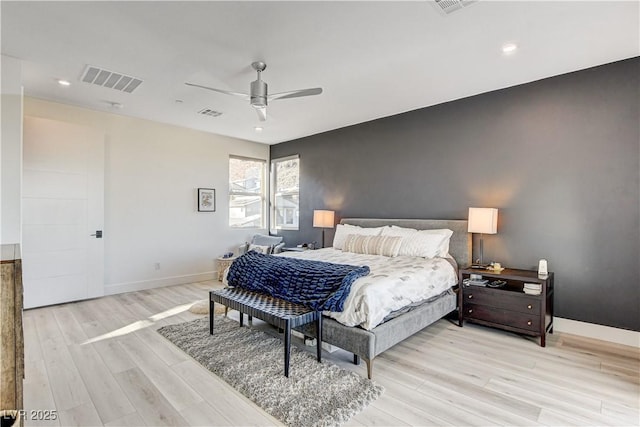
<point x="500" y="299"/>
<point x="529" y="322"/>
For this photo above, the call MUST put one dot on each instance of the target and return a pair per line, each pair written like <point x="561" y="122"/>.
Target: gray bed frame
<point x="368" y="344"/>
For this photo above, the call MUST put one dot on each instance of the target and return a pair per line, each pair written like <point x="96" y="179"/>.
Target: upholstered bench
<point x="275" y="311"/>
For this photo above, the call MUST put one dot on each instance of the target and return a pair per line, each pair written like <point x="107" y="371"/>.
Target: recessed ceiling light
<point x="258" y="129"/>
<point x="509" y="48"/>
<point x="64" y="83"/>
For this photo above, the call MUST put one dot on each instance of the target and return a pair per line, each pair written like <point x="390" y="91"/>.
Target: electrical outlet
<point x="157" y="265"/>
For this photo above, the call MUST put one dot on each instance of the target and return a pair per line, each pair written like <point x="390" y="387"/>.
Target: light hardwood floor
<point x="100" y="362"/>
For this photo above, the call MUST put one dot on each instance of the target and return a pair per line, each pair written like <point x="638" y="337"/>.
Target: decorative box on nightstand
<point x="507" y="306"/>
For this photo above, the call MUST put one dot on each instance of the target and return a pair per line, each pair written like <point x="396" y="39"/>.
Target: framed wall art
<point x="206" y="200"/>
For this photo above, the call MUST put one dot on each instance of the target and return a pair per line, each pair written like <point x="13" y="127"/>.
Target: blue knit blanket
<point x="315" y="284"/>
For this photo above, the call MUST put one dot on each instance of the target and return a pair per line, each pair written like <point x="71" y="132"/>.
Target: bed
<point x="368" y="343"/>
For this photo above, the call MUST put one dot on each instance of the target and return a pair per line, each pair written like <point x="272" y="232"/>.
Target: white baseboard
<point x="599" y="332"/>
<point x="120" y="288"/>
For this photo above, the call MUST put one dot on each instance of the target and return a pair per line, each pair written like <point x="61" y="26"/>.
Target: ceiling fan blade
<point x="226" y="92"/>
<point x="262" y="113"/>
<point x="296" y="93"/>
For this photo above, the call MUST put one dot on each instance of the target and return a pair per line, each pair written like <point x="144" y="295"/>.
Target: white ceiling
<point x="373" y="59"/>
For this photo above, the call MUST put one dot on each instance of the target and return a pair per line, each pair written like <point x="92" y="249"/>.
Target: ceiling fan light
<point x="258" y="94"/>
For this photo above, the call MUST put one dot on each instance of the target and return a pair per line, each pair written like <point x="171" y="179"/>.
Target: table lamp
<point x="483" y="221"/>
<point x="323" y="219"/>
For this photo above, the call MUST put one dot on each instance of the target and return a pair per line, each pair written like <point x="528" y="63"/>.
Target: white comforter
<point x="392" y="284"/>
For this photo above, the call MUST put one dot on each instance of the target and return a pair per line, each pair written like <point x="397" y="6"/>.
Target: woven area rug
<point x="315" y="394"/>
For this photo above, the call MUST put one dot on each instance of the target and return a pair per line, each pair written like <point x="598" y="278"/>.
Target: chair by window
<point x="263" y="243"/>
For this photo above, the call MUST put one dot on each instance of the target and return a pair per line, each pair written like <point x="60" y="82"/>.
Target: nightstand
<point x="223" y="264"/>
<point x="508" y="307"/>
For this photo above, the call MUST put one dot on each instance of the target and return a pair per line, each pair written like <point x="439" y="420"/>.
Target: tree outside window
<point x="246" y="192"/>
<point x="285" y="193"/>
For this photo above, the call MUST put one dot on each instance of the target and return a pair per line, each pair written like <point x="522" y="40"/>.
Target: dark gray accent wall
<point x="559" y="157"/>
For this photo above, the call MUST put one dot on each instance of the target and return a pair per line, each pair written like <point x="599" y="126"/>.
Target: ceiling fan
<point x="258" y="95"/>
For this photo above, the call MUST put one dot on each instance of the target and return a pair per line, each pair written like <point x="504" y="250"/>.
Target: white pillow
<point x="372" y="245"/>
<point x="443" y="252"/>
<point x="343" y="230"/>
<point x="426" y="243"/>
<point x="394" y="230"/>
<point x="422" y="243"/>
<point x="260" y="248"/>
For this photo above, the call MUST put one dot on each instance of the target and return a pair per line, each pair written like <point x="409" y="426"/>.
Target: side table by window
<point x="223" y="264"/>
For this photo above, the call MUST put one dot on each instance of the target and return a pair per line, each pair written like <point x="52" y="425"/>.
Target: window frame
<point x="262" y="194"/>
<point x="273" y="189"/>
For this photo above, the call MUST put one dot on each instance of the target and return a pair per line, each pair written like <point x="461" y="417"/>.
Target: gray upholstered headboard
<point x="459" y="245"/>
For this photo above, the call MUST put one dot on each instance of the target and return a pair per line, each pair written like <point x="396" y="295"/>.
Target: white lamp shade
<point x="324" y="219"/>
<point x="483" y="220"/>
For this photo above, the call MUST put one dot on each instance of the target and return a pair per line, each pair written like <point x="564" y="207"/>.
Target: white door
<point x="62" y="208"/>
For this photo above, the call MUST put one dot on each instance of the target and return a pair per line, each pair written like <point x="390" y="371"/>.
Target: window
<point x="285" y="193"/>
<point x="246" y="192"/>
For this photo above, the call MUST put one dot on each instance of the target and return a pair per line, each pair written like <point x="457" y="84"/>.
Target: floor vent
<point x="209" y="112"/>
<point x="110" y="79"/>
<point x="449" y="6"/>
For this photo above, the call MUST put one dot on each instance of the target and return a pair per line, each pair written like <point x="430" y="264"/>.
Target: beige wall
<point x="10" y="150"/>
<point x="152" y="171"/>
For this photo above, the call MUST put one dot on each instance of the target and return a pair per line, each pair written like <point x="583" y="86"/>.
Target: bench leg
<point x="356" y="359"/>
<point x="287" y="347"/>
<point x="211" y="307"/>
<point x="241" y="318"/>
<point x="319" y="337"/>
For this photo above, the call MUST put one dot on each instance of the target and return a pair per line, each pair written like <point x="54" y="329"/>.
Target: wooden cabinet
<point x="508" y="307"/>
<point x="11" y="337"/>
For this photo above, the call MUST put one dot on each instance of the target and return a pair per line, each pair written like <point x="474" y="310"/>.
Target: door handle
<point x="97" y="235"/>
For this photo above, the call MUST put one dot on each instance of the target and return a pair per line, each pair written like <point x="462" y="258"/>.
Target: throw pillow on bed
<point x="372" y="245"/>
<point x="343" y="230"/>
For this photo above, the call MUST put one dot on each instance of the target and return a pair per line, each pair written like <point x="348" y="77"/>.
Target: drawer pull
<point x="470" y="296"/>
<point x="529" y="323"/>
<point x="470" y="310"/>
<point x="529" y="306"/>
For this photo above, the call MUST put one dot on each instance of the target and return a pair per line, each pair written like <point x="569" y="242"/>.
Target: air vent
<point x="449" y="6"/>
<point x="110" y="79"/>
<point x="209" y="112"/>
